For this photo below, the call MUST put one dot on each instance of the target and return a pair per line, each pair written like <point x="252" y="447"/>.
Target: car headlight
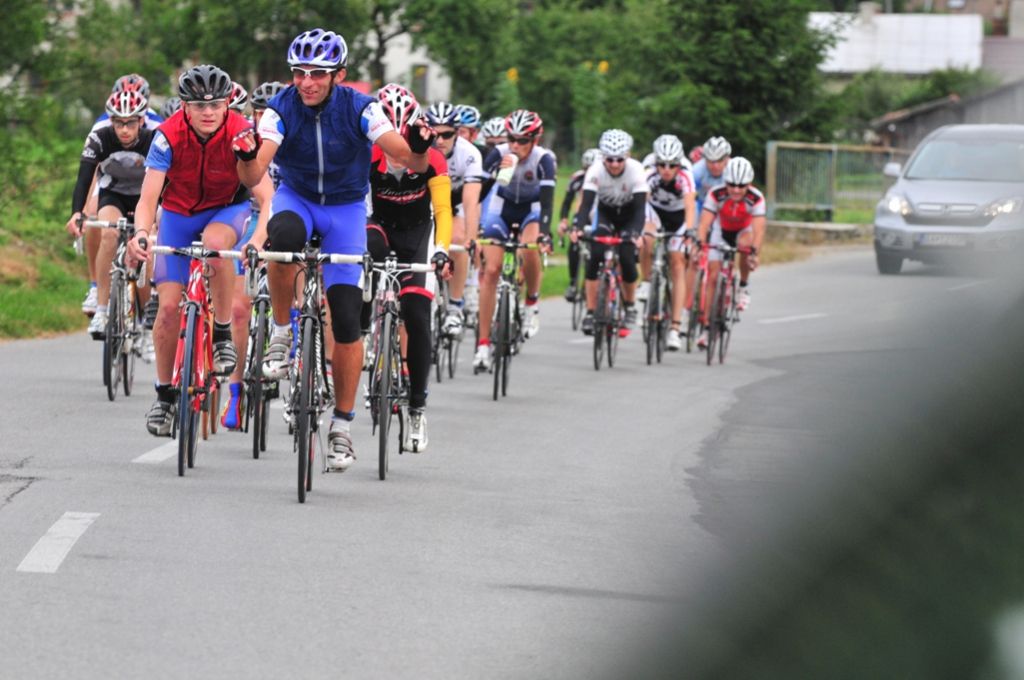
<point x="898" y="205"/>
<point x="1004" y="206"/>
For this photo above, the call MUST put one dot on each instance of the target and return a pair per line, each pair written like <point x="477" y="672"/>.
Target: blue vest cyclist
<point x="319" y="133"/>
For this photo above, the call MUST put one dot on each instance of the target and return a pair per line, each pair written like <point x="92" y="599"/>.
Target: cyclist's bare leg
<point x="714" y="266"/>
<point x="489" y="275"/>
<point x="647" y="251"/>
<point x="220" y="236"/>
<point x="328" y="335"/>
<point x="745" y="240"/>
<point x="680" y="284"/>
<point x="283" y="286"/>
<point x="460" y="261"/>
<point x="591" y="288"/>
<point x="105" y="252"/>
<point x="241" y="310"/>
<point x="165" y="329"/>
<point x="532" y="271"/>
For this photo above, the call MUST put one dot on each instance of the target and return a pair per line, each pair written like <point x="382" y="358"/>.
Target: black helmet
<point x="262" y="95"/>
<point x="204" y="83"/>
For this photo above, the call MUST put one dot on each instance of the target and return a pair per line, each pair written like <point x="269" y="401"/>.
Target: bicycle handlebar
<point x="389" y="265"/>
<point x="197" y="252"/>
<point x="507" y="244"/>
<point x="312" y="256"/>
<point x="105" y="224"/>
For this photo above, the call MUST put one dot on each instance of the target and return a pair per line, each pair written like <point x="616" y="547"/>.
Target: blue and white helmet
<point x="615" y="143"/>
<point x="318" y="47"/>
<point x="443" y="113"/>
<point x="468" y="115"/>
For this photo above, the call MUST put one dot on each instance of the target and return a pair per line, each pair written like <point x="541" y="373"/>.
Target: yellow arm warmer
<point x="441" y="198"/>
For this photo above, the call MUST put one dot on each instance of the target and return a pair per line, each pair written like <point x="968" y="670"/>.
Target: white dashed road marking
<point x="965" y="286"/>
<point x="50" y="550"/>
<point x="159" y="454"/>
<point x="791" y="319"/>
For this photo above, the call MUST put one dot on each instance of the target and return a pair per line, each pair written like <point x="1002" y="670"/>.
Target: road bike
<point x="388" y="386"/>
<point x="723" y="314"/>
<point x="507" y="329"/>
<point x="258" y="389"/>
<point x="444" y="353"/>
<point x="311" y="392"/>
<point x="193" y="379"/>
<point x="609" y="315"/>
<point x="579" y="301"/>
<point x="700" y="296"/>
<point x="658" y="306"/>
<point x="122" y="338"/>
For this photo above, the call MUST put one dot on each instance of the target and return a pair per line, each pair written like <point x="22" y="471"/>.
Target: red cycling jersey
<point x="733" y="215"/>
<point x="202" y="175"/>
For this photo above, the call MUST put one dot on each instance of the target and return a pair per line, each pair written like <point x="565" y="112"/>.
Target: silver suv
<point x="962" y="191"/>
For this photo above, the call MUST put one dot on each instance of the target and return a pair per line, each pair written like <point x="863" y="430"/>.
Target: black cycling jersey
<point x="121" y="168"/>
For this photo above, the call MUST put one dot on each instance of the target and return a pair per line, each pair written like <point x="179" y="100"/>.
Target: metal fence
<point x="843" y="182"/>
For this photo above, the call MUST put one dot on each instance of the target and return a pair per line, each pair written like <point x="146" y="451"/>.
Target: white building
<point x="412" y="68"/>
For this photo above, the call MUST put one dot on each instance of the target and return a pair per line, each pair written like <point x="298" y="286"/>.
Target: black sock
<point x="221" y="331"/>
<point x="165" y="393"/>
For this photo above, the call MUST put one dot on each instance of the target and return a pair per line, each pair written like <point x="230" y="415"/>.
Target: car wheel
<point x="888" y="264"/>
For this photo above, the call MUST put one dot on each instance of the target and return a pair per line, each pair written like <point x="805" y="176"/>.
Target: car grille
<point x="948" y="214"/>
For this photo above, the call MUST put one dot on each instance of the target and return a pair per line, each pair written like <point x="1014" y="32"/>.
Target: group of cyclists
<point x="379" y="175"/>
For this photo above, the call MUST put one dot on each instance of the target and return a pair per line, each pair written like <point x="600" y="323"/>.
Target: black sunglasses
<point x="668" y="165"/>
<point x="521" y="141"/>
<point x="615" y="159"/>
<point x="447" y="135"/>
<point x="736" y="186"/>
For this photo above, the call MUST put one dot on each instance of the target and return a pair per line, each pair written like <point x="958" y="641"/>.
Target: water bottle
<point x="505" y="174"/>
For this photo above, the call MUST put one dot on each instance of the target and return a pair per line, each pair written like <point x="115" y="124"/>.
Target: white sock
<point x="284" y="330"/>
<point x="101" y="308"/>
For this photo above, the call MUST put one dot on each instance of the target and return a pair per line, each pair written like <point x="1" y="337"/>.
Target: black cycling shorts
<point x="410" y="244"/>
<point x="123" y="202"/>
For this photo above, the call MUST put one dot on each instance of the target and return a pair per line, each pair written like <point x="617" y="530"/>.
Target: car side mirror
<point x="892" y="169"/>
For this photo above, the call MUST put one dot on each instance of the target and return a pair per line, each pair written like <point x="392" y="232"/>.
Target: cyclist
<point x="192" y="155"/>
<point x="170" y="107"/>
<point x="735" y="214"/>
<point x="401" y="223"/>
<point x="707" y="172"/>
<point x="527" y="199"/>
<point x="135" y="83"/>
<point x="465" y="168"/>
<point x="113" y="157"/>
<point x="493" y="132"/>
<point x="619" y="185"/>
<point x="673" y="207"/>
<point x="239" y="99"/>
<point x="324" y="192"/>
<point x="575" y="184"/>
<point x="469" y="122"/>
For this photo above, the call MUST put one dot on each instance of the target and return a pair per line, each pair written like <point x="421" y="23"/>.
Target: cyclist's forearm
<point x="471" y="204"/>
<point x="690" y="204"/>
<point x="706" y="218"/>
<point x="570" y="196"/>
<point x="636" y="220"/>
<point x="760" y="226"/>
<point x="441" y="199"/>
<point x="586" y="205"/>
<point x="547" y="204"/>
<point x="86" y="172"/>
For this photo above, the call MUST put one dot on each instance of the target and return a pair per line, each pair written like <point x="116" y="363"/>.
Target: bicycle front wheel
<point x="615" y="315"/>
<point x="696" y="309"/>
<point x="501" y="333"/>
<point x="254" y="378"/>
<point x="600" y="322"/>
<point x="132" y="344"/>
<point x="306" y="412"/>
<point x="387" y="377"/>
<point x="187" y="403"/>
<point x="113" y="337"/>
<point x="728" y="316"/>
<point x="715" y="319"/>
<point x="652" y="318"/>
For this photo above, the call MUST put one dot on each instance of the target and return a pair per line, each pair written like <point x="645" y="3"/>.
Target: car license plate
<point x="944" y="240"/>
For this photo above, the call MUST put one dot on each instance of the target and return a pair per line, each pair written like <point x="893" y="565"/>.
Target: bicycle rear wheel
<point x="438" y="341"/>
<point x="500" y="334"/>
<point x="113" y="337"/>
<point x="601" y="322"/>
<point x="715" y="319"/>
<point x="652" y="318"/>
<point x="615" y="315"/>
<point x="453" y="356"/>
<point x="132" y="345"/>
<point x="728" y="316"/>
<point x="696" y="307"/>
<point x="187" y="420"/>
<point x="306" y="413"/>
<point x="385" y="385"/>
<point x="256" y="402"/>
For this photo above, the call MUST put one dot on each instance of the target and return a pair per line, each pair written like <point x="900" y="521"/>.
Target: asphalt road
<point x="547" y="535"/>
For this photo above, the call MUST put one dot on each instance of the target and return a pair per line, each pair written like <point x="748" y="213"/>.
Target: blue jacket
<point x="325" y="154"/>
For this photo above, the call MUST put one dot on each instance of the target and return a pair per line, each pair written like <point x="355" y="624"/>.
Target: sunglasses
<point x="615" y="159"/>
<point x="736" y="186"/>
<point x="125" y="124"/>
<point x="211" y="105"/>
<point x="521" y="141"/>
<point x="447" y="135"/>
<point x="668" y="165"/>
<point x="313" y="73"/>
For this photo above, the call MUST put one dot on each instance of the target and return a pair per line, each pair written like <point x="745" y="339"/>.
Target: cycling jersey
<point x="734" y="216"/>
<point x="465" y="166"/>
<point x="121" y="169"/>
<point x="323" y="151"/>
<point x="201" y="174"/>
<point x="527" y="198"/>
<point x="153" y="120"/>
<point x="402" y="200"/>
<point x="575" y="184"/>
<point x="620" y="198"/>
<point x="704" y="181"/>
<point x="670" y="196"/>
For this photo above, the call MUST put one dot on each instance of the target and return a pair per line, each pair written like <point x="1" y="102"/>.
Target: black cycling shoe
<point x="587" y="325"/>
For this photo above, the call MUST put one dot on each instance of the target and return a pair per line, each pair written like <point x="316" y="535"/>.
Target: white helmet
<point x="716" y="148"/>
<point x="738" y="171"/>
<point x="668" y="149"/>
<point x="590" y="156"/>
<point x="615" y="143"/>
<point x="494" y="127"/>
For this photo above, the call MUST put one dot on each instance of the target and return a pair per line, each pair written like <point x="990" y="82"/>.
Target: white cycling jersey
<point x="616" y="190"/>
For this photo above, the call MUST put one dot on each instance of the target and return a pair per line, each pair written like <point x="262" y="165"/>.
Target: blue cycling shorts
<point x="178" y="231"/>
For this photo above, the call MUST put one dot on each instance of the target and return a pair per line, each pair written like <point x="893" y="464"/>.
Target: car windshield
<point x="975" y="160"/>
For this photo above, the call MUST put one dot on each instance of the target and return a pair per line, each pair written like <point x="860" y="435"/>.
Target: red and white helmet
<point x="523" y="123"/>
<point x="400" y="106"/>
<point x="239" y="97"/>
<point x="126" y="104"/>
<point x="132" y="82"/>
